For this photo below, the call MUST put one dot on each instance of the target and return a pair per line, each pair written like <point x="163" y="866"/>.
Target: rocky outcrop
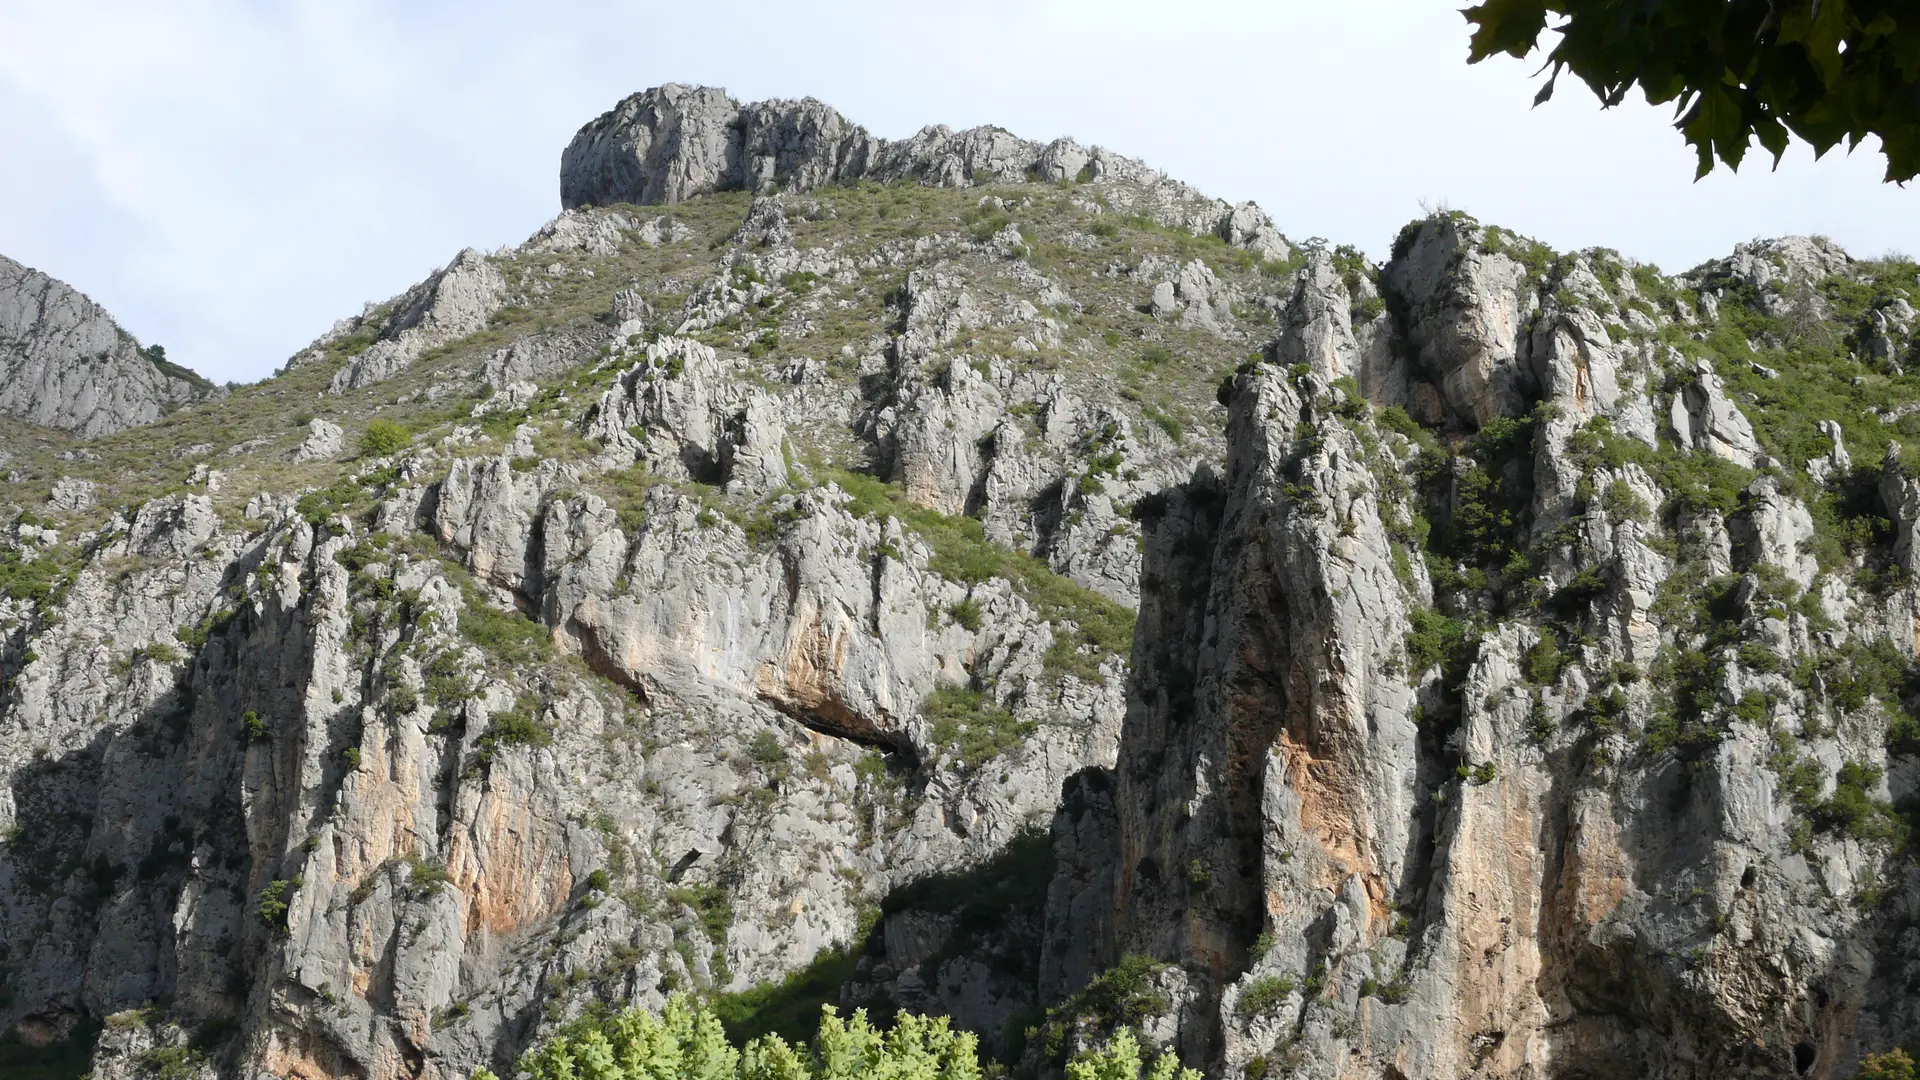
<point x="1499" y="866"/>
<point x="1465" y="309"/>
<point x="1466" y="667"/>
<point x="1702" y="418"/>
<point x="451" y="304"/>
<point x="324" y="440"/>
<point x="675" y="142"/>
<point x="64" y="362"/>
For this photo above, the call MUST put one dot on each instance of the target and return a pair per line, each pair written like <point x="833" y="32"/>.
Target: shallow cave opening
<point x="1804" y="1056"/>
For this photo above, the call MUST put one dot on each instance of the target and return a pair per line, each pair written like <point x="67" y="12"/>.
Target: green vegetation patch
<point x="508" y="637"/>
<point x="969" y="722"/>
<point x="1263" y="994"/>
<point x="40" y="580"/>
<point x="384" y="438"/>
<point x="791" y="1007"/>
<point x="1121" y="997"/>
<point x="996" y="905"/>
<point x="518" y="726"/>
<point x="691" y="1040"/>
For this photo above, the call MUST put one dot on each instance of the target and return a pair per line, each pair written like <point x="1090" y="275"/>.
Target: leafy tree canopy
<point x="1892" y="1065"/>
<point x="1828" y="71"/>
<point x="687" y="1042"/>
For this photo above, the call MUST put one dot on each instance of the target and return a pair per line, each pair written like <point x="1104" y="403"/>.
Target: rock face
<point x="675" y="142"/>
<point x="451" y="304"/>
<point x="920" y="591"/>
<point x="324" y="440"/>
<point x="65" y="364"/>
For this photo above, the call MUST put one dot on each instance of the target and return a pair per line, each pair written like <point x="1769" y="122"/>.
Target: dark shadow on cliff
<point x="105" y="836"/>
<point x="990" y="914"/>
<point x="69" y="1058"/>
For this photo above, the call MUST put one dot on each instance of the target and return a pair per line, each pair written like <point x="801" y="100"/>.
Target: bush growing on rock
<point x="383" y="438"/>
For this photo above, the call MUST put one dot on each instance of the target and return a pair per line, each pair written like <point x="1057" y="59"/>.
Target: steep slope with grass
<point x="986" y="579"/>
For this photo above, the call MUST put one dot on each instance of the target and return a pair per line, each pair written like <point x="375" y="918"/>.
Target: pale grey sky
<point x="228" y="177"/>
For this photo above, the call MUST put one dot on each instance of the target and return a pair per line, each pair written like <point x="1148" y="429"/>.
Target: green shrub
<point x="1393" y="992"/>
<point x="1572" y="599"/>
<point x="1852" y="810"/>
<point x="1120" y="997"/>
<point x="1169" y="424"/>
<point x="424" y="877"/>
<point x="789" y="1008"/>
<point x="343" y="496"/>
<point x="384" y="438"/>
<point x="1545" y="660"/>
<point x="158" y="652"/>
<point x="1119" y="1059"/>
<point x="626" y="491"/>
<point x="196" y="637"/>
<point x="972" y="724"/>
<point x="448" y="685"/>
<point x="766" y="750"/>
<point x="711" y="903"/>
<point x="1895" y="1064"/>
<point x="517" y="726"/>
<point x="273" y="902"/>
<point x="39" y="580"/>
<point x="1433" y="640"/>
<point x="1622" y="503"/>
<point x="967" y="613"/>
<point x="689" y="1040"/>
<point x="1262" y="995"/>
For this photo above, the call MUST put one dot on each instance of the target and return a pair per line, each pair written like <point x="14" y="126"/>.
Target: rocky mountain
<point x="65" y="364"/>
<point x="986" y="578"/>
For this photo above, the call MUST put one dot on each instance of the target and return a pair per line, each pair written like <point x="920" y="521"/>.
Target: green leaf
<point x="1505" y="26"/>
<point x="1546" y="91"/>
<point x="1773" y="135"/>
<point x="1713" y="127"/>
<point x="1823" y="71"/>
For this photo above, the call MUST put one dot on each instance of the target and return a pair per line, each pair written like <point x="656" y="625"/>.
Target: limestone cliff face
<point x="991" y="596"/>
<point x="1509" y="864"/>
<point x="65" y="364"/>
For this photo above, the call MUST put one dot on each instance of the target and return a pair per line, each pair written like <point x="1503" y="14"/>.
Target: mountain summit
<point x="993" y="580"/>
<point x="675" y="142"/>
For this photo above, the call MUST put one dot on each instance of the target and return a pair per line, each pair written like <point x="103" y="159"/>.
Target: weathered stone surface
<point x="1466" y="309"/>
<point x="324" y="439"/>
<point x="674" y="142"/>
<point x="1704" y="418"/>
<point x="451" y="304"/>
<point x="1537" y="731"/>
<point x="64" y="362"/>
